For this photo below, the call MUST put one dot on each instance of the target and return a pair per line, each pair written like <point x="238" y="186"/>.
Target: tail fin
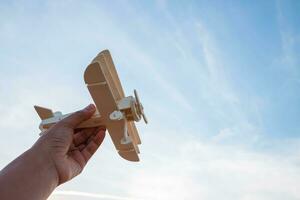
<point x="44" y="113"/>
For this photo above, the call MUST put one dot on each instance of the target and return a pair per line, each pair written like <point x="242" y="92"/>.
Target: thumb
<point x="77" y="117"/>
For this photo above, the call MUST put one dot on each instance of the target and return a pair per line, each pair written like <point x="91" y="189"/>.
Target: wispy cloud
<point x="61" y="194"/>
<point x="290" y="41"/>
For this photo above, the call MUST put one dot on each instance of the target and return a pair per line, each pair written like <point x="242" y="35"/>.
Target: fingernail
<point x="90" y="107"/>
<point x="101" y="128"/>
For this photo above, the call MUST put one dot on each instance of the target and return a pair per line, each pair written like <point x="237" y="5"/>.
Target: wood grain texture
<point x="105" y="88"/>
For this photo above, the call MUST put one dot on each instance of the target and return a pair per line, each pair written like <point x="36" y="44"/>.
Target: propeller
<point x="140" y="108"/>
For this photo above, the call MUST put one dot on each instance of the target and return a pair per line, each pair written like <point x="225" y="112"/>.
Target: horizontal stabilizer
<point x="44" y="113"/>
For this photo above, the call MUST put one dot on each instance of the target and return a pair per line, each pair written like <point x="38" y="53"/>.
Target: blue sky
<point x="219" y="81"/>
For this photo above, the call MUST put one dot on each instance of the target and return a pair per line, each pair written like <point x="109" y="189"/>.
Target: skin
<point x="56" y="157"/>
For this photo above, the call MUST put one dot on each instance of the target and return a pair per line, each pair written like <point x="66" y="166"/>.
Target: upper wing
<point x="105" y="88"/>
<point x="109" y="69"/>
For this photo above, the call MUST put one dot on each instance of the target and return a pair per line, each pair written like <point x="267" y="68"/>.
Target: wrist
<point x="44" y="164"/>
<point x="31" y="176"/>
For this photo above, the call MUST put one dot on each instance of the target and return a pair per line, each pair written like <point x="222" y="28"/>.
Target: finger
<point x="81" y="147"/>
<point x="83" y="135"/>
<point x="77" y="148"/>
<point x="78" y="157"/>
<point x="77" y="130"/>
<point x="93" y="145"/>
<point x="72" y="147"/>
<point x="92" y="137"/>
<point x="86" y="135"/>
<point x="76" y="118"/>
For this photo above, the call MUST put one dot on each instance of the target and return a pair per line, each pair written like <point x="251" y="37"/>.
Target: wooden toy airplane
<point x="114" y="111"/>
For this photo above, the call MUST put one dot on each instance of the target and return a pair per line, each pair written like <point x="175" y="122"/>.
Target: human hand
<point x="68" y="149"/>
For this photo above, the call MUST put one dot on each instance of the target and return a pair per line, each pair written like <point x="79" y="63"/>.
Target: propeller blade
<point x="140" y="107"/>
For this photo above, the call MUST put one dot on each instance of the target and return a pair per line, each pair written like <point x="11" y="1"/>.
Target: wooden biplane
<point x="114" y="111"/>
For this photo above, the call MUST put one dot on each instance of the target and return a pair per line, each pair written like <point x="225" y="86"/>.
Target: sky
<point x="219" y="81"/>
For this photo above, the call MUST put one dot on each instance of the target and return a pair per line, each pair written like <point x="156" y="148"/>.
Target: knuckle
<point x="80" y="114"/>
<point x="64" y="124"/>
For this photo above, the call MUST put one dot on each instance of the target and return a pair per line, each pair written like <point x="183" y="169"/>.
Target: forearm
<point x="31" y="176"/>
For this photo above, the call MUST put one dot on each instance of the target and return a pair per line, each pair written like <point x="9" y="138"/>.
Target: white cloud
<point x="205" y="170"/>
<point x="243" y="133"/>
<point x="61" y="194"/>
